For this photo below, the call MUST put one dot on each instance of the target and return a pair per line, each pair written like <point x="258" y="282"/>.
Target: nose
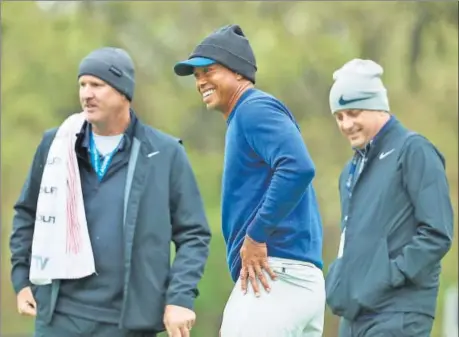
<point x="86" y="92"/>
<point x="347" y="124"/>
<point x="200" y="82"/>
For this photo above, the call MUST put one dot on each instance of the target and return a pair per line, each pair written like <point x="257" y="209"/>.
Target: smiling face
<point x="217" y="86"/>
<point x="360" y="126"/>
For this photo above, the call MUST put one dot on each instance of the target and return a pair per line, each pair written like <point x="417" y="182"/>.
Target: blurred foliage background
<point x="298" y="45"/>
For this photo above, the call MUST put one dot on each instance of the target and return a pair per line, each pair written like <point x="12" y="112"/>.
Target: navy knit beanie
<point x="227" y="46"/>
<point x="113" y="66"/>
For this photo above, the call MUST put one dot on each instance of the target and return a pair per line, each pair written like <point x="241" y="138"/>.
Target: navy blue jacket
<point x="398" y="223"/>
<point x="162" y="205"/>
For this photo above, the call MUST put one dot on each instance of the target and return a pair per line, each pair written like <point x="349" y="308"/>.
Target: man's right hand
<point x="26" y="303"/>
<point x="254" y="258"/>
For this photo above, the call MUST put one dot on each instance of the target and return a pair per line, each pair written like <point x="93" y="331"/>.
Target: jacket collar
<point x="375" y="144"/>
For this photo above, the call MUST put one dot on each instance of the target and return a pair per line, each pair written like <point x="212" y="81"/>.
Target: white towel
<point x="61" y="247"/>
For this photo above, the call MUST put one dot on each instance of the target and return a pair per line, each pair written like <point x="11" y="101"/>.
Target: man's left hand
<point x="178" y="321"/>
<point x="254" y="256"/>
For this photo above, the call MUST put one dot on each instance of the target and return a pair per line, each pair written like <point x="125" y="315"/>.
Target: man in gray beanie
<point x="397" y="218"/>
<point x="138" y="194"/>
<point x="270" y="215"/>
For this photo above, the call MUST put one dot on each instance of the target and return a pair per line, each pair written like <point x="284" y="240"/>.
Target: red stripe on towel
<point x="73" y="244"/>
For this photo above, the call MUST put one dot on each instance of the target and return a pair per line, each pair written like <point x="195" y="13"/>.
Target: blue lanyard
<point x="354" y="163"/>
<point x="95" y="158"/>
<point x="363" y="156"/>
<point x="352" y="168"/>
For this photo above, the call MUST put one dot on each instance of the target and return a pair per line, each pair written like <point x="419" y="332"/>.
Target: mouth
<point x="355" y="134"/>
<point x="90" y="107"/>
<point x="206" y="94"/>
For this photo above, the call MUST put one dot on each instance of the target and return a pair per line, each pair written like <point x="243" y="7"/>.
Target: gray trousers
<point x="71" y="326"/>
<point x="393" y="324"/>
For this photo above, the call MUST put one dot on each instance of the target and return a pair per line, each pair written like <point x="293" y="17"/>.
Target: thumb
<point x="32" y="302"/>
<point x="30" y="299"/>
<point x="29" y="311"/>
<point x="173" y="332"/>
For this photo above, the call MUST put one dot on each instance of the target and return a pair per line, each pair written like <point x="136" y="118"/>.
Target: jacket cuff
<point x="181" y="300"/>
<point x="256" y="231"/>
<point x="20" y="279"/>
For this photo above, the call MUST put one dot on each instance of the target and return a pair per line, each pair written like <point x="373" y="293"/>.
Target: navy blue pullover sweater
<point x="267" y="190"/>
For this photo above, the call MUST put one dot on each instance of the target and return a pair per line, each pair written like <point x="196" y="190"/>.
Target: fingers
<point x="243" y="277"/>
<point x="260" y="275"/>
<point x="268" y="269"/>
<point x="182" y="331"/>
<point x="185" y="332"/>
<point x="32" y="302"/>
<point x="178" y="321"/>
<point x="253" y="273"/>
<point x="253" y="280"/>
<point x="27" y="309"/>
<point x="173" y="332"/>
<point x="168" y="329"/>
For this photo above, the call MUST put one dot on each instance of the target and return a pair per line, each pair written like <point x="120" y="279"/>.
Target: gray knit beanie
<point x="227" y="46"/>
<point x="112" y="65"/>
<point x="358" y="85"/>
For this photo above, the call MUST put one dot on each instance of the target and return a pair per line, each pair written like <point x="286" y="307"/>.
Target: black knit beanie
<point x="113" y="66"/>
<point x="227" y="46"/>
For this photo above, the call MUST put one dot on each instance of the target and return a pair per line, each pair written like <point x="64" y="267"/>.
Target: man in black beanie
<point x="270" y="217"/>
<point x="138" y="194"/>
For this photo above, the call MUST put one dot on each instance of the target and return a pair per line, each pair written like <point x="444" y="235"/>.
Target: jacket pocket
<point x="336" y="294"/>
<point x="42" y="296"/>
<point x="376" y="287"/>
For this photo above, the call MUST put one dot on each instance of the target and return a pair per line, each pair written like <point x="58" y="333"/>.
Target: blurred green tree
<point x="298" y="45"/>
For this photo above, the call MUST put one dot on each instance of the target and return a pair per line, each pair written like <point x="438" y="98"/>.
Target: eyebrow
<point x="92" y="82"/>
<point x="203" y="69"/>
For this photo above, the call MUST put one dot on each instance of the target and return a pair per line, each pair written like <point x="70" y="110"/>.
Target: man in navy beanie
<point x="270" y="216"/>
<point x="138" y="193"/>
<point x="397" y="218"/>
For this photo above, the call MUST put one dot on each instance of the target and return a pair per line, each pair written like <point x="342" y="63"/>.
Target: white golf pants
<point x="295" y="307"/>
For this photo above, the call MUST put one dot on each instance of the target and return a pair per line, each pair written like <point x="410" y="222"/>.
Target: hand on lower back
<point x="254" y="257"/>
